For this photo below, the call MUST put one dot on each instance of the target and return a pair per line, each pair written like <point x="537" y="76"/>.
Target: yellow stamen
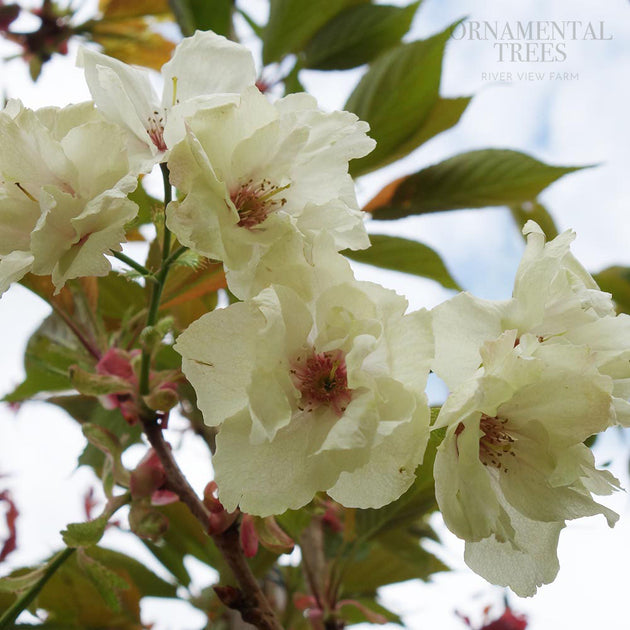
<point x="273" y="192"/>
<point x="174" y="79"/>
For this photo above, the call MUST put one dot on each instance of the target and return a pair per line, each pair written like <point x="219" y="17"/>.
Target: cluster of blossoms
<point x="315" y="380"/>
<point x="531" y="379"/>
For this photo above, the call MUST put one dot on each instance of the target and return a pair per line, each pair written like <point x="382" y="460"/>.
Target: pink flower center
<point x="495" y="444"/>
<point x="322" y="380"/>
<point x="155" y="129"/>
<point x="255" y="202"/>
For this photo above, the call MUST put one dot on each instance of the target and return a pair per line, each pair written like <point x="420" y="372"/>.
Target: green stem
<point x="158" y="287"/>
<point x="141" y="269"/>
<point x="11" y="614"/>
<point x="175" y="255"/>
<point x="168" y="196"/>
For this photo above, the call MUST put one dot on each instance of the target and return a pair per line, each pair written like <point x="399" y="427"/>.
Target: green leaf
<point x="293" y="22"/>
<point x="292" y="82"/>
<point x="444" y="114"/>
<point x="203" y="15"/>
<point x="118" y="297"/>
<point x="401" y="254"/>
<point x="21" y="580"/>
<point x="103" y="439"/>
<point x="171" y="559"/>
<point x="385" y="563"/>
<point x="50" y="352"/>
<point x="109" y="444"/>
<point x="396" y="96"/>
<point x="616" y="280"/>
<point x="92" y="384"/>
<point x="85" y="534"/>
<point x="149" y="584"/>
<point x="294" y="522"/>
<point x="186" y="536"/>
<point x="147" y="205"/>
<point x="477" y="179"/>
<point x="72" y="599"/>
<point x="106" y="581"/>
<point x="535" y="211"/>
<point x="357" y="35"/>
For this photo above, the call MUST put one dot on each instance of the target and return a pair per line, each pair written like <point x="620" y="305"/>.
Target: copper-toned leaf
<point x="43" y="286"/>
<point x="133" y="42"/>
<point x="190" y="293"/>
<point x="137" y="8"/>
<point x="385" y="196"/>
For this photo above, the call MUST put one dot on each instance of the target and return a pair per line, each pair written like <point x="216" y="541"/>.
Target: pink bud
<point x="249" y="537"/>
<point x="219" y="519"/>
<point x="117" y="362"/>
<point x="164" y="497"/>
<point x="148" y="476"/>
<point x="507" y="621"/>
<point x="304" y="602"/>
<point x="270" y="535"/>
<point x="331" y="516"/>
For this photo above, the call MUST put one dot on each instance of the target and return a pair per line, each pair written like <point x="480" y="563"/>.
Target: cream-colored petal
<point x="524" y="565"/>
<point x="218" y="352"/>
<point x="14" y="267"/>
<point x="461" y="325"/>
<point x="204" y="64"/>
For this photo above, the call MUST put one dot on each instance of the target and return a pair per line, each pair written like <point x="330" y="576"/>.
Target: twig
<point x="249" y="600"/>
<point x="141" y="269"/>
<point x="85" y="342"/>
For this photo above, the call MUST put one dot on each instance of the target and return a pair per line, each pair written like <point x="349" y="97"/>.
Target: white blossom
<point x="326" y="395"/>
<point x="64" y="180"/>
<point x="556" y="300"/>
<point x="255" y="174"/>
<point x="513" y="467"/>
<point x="206" y="70"/>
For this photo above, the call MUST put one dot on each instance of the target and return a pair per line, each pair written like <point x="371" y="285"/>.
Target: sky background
<point x="573" y="122"/>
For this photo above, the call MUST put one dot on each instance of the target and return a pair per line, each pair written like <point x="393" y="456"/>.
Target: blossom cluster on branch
<point x="316" y="381"/>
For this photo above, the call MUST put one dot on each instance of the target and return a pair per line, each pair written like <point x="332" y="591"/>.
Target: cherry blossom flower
<point x="312" y="396"/>
<point x="556" y="300"/>
<point x="64" y="180"/>
<point x="513" y="467"/>
<point x="206" y="70"/>
<point x="261" y="178"/>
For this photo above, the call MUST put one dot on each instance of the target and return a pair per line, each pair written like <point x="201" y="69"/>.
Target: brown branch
<point x="249" y="600"/>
